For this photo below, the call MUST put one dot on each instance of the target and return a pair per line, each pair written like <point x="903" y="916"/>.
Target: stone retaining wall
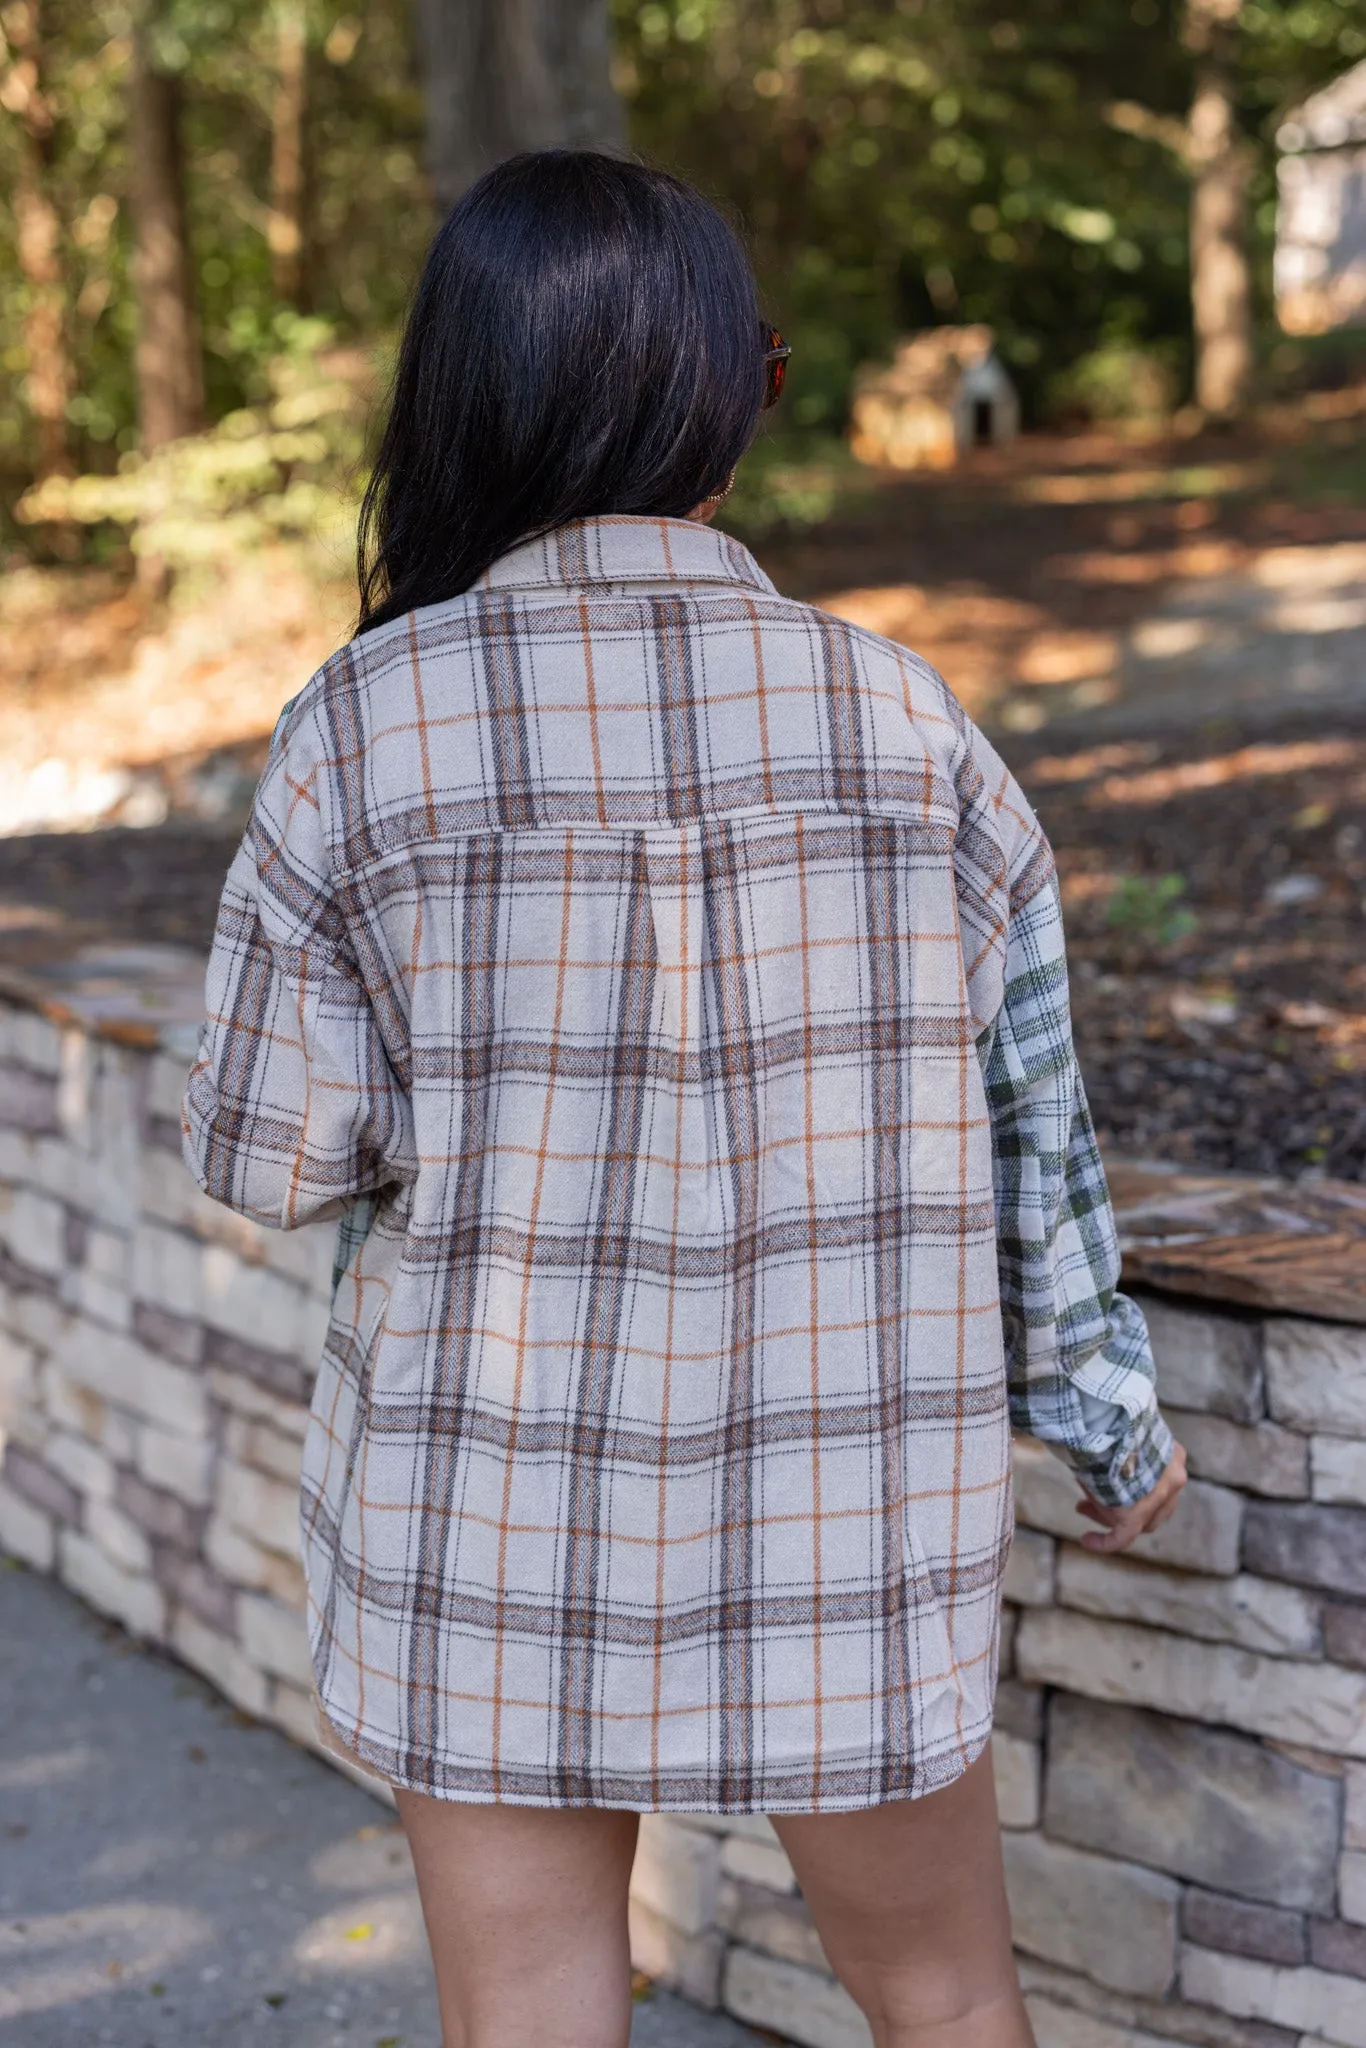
<point x="1181" y="1740"/>
<point x="156" y="1354"/>
<point x="1180" y="1745"/>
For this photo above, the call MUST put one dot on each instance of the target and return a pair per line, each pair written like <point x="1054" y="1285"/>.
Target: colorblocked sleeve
<point x="1078" y="1360"/>
<point x="293" y="1107"/>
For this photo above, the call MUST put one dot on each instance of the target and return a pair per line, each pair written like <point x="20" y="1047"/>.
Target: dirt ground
<point x="1240" y="1043"/>
<point x="1221" y="1016"/>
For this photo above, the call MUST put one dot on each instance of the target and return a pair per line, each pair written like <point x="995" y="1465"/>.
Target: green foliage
<point x="792" y="479"/>
<point x="896" y="162"/>
<point x="85" y="179"/>
<point x="902" y="164"/>
<point x="899" y="162"/>
<point x="286" y="470"/>
<point x="1118" y="383"/>
<point x="368" y="216"/>
<point x="1147" y="911"/>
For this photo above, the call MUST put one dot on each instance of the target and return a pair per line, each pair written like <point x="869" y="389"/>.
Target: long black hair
<point x="584" y="339"/>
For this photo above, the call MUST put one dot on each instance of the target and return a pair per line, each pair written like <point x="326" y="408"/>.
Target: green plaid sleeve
<point x="1078" y="1360"/>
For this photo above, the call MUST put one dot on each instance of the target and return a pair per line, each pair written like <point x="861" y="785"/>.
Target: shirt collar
<point x="623" y="549"/>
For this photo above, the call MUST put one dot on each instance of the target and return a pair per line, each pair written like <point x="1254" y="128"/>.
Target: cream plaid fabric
<point x="664" y="982"/>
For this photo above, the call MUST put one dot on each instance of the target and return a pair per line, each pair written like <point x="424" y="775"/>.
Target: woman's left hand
<point x="1122" y="1526"/>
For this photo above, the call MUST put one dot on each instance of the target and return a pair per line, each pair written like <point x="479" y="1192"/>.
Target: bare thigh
<point x="526" y="1915"/>
<point x="909" y="1900"/>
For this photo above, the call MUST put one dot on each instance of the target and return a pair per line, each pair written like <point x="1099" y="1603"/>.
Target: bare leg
<point x="909" y="1900"/>
<point x="526" y="1914"/>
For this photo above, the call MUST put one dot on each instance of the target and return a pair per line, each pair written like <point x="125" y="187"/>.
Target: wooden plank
<point x="1296" y="1272"/>
<point x="1289" y="1247"/>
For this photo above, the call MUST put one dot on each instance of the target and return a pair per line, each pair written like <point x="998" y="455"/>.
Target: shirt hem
<point x="839" y="1785"/>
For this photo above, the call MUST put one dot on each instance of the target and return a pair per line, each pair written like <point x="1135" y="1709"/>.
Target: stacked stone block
<point x="156" y="1354"/>
<point x="1180" y="1748"/>
<point x="1201" y="1708"/>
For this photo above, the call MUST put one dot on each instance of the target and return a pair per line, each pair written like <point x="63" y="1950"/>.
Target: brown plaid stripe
<point x="664" y="984"/>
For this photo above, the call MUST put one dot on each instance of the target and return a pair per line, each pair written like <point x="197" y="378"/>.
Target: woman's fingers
<point x="1119" y="1527"/>
<point x="1123" y="1526"/>
<point x="1167" y="1492"/>
<point x="1166" y="1511"/>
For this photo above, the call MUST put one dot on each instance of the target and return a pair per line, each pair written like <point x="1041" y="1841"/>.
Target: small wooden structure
<point x="943" y="393"/>
<point x="1321" y="212"/>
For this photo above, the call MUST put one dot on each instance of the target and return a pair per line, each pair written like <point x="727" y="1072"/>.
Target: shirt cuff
<point x="1135" y="1465"/>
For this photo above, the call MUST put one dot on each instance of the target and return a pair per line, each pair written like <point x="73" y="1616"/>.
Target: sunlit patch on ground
<point x="99" y="691"/>
<point x="55" y="1960"/>
<point x="172" y="1876"/>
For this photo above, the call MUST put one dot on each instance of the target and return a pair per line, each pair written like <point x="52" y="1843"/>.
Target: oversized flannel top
<point x="664" y="983"/>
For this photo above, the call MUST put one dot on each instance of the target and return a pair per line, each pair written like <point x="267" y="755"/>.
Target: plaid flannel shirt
<point x="664" y="983"/>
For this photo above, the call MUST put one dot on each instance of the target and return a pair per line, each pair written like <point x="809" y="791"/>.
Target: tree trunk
<point x="285" y="228"/>
<point x="1221" y="283"/>
<point x="169" y="373"/>
<point x="51" y="378"/>
<point x="507" y="75"/>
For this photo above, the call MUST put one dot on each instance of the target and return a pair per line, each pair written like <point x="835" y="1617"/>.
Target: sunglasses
<point x="775" y="366"/>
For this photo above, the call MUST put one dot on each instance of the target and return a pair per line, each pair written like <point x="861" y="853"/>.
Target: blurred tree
<point x="289" y="156"/>
<point x="1221" y="279"/>
<point x="362" y="200"/>
<point x="169" y="371"/>
<point x="506" y="75"/>
<point x="50" y="381"/>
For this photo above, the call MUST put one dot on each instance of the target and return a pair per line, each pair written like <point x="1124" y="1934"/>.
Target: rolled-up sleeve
<point x="1078" y="1358"/>
<point x="293" y="1108"/>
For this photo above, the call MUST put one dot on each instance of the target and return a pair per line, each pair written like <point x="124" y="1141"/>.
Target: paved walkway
<point x="172" y="1876"/>
<point x="1281" y="636"/>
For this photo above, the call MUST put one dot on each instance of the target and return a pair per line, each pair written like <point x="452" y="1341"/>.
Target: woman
<point x="663" y="982"/>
